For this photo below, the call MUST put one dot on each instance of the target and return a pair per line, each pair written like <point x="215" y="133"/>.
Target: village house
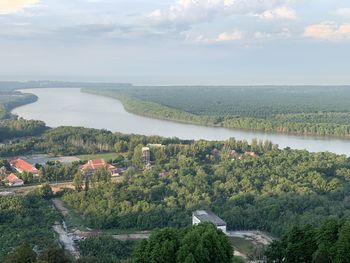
<point x="201" y="216"/>
<point x="94" y="165"/>
<point x="22" y="166"/>
<point x="13" y="180"/>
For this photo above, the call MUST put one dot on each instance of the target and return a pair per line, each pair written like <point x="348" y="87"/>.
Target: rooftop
<point x="12" y="178"/>
<point x="207" y="216"/>
<point x="97" y="164"/>
<point x="23" y="166"/>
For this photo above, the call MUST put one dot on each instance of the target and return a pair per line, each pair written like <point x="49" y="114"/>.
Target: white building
<point x="13" y="180"/>
<point x="146" y="155"/>
<point x="201" y="216"/>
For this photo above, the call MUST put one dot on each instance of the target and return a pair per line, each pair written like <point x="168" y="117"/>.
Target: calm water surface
<point x="70" y="107"/>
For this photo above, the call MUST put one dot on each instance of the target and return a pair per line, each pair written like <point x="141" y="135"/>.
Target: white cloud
<point x="283" y="33"/>
<point x="262" y="35"/>
<point x="278" y="13"/>
<point x="225" y="36"/>
<point x="187" y="12"/>
<point x="328" y="31"/>
<point x="345" y="12"/>
<point x="12" y="6"/>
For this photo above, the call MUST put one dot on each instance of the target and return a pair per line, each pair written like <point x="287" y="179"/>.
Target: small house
<point x="13" y="180"/>
<point x="94" y="165"/>
<point x="22" y="166"/>
<point x="201" y="216"/>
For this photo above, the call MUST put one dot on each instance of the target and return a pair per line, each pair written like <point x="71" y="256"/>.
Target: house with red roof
<point x="13" y="180"/>
<point x="22" y="166"/>
<point x="94" y="165"/>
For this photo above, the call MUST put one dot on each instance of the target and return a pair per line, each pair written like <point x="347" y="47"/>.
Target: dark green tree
<point x="22" y="254"/>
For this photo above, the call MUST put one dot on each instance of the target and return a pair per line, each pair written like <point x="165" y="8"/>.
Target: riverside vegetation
<point x="297" y="110"/>
<point x="11" y="126"/>
<point x="285" y="192"/>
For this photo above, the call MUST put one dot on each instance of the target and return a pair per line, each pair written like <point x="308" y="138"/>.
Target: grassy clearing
<point x="242" y="245"/>
<point x="73" y="219"/>
<point x="104" y="156"/>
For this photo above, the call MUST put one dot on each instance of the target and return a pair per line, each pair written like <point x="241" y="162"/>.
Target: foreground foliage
<point x="106" y="249"/>
<point x="203" y="243"/>
<point x="25" y="218"/>
<point x="326" y="244"/>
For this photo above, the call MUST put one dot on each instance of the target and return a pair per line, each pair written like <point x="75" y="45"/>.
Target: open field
<point x="105" y="156"/>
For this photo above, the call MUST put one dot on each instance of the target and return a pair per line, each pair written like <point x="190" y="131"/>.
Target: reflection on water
<point x="70" y="107"/>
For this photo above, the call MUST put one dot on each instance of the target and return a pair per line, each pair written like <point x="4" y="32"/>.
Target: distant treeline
<point x="10" y="125"/>
<point x="11" y="99"/>
<point x="15" y="85"/>
<point x="309" y="111"/>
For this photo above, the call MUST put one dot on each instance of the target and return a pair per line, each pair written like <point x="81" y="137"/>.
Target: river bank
<point x="70" y="107"/>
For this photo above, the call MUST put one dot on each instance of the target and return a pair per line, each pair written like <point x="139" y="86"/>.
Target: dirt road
<point x="66" y="240"/>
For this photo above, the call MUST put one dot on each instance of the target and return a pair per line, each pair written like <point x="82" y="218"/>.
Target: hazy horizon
<point x="177" y="42"/>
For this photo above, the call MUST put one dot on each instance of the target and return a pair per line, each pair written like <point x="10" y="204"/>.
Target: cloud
<point x="328" y="31"/>
<point x="345" y="12"/>
<point x="278" y="13"/>
<point x="225" y="37"/>
<point x="185" y="13"/>
<point x="283" y="33"/>
<point x="12" y="6"/>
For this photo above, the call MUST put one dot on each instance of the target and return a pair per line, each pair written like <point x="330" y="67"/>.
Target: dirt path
<point x="60" y="206"/>
<point x="66" y="240"/>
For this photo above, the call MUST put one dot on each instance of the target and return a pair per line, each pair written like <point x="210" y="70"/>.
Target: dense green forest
<point x="12" y="99"/>
<point x="106" y="249"/>
<point x="203" y="243"/>
<point x="272" y="192"/>
<point x="26" y="218"/>
<point x="329" y="243"/>
<point x="295" y="110"/>
<point x="11" y="126"/>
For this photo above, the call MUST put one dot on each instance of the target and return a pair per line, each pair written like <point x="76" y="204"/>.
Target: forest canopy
<point x="296" y="110"/>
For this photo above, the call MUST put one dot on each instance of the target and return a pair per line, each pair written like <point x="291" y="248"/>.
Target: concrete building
<point x="146" y="155"/>
<point x="201" y="216"/>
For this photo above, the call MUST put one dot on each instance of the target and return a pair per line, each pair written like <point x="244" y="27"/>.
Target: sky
<point x="177" y="42"/>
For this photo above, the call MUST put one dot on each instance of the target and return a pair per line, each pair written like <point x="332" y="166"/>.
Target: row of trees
<point x="75" y="141"/>
<point x="14" y="128"/>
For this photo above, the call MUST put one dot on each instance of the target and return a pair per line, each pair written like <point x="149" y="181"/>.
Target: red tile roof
<point x="23" y="166"/>
<point x="97" y="164"/>
<point x="12" y="178"/>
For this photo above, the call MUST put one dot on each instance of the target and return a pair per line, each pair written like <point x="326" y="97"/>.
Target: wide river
<point x="70" y="107"/>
